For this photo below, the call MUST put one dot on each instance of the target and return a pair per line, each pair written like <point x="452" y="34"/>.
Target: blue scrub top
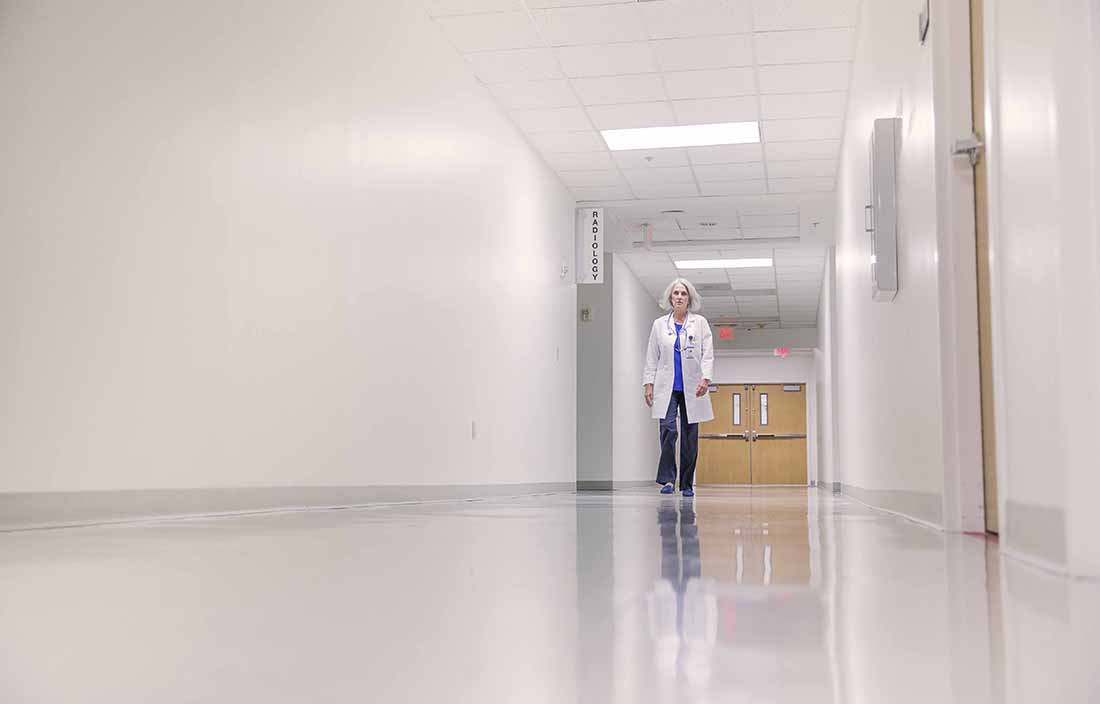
<point x="678" y="379"/>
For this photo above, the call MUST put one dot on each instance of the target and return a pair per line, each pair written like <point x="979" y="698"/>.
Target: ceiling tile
<point x="550" y="142"/>
<point x="794" y="151"/>
<point x="692" y="254"/>
<point x="804" y="78"/>
<point x="438" y="8"/>
<point x="804" y="46"/>
<point x="804" y="14"/>
<point x="762" y="279"/>
<point x="710" y="84"/>
<point x="611" y="117"/>
<point x="667" y="190"/>
<point x="726" y="154"/>
<point x="599" y="24"/>
<point x="688" y="221"/>
<point x="777" y="220"/>
<point x="712" y="233"/>
<point x="491" y="32"/>
<point x="757" y="233"/>
<point x="512" y="66"/>
<point x="654" y="177"/>
<point x="711" y="110"/>
<point x="732" y="188"/>
<point x="798" y="169"/>
<point x="581" y="161"/>
<point x="787" y="106"/>
<point x="601" y="193"/>
<point x="656" y="222"/>
<point x="704" y="276"/>
<point x="800" y="185"/>
<point x="798" y="268"/>
<point x="802" y="129"/>
<point x="668" y="236"/>
<point x="800" y="253"/>
<point x="620" y="89"/>
<point x="552" y="120"/>
<point x="650" y="158"/>
<point x="529" y="95"/>
<point x="730" y="172"/>
<point x="647" y="262"/>
<point x="703" y="52"/>
<point x="749" y="252"/>
<point x="606" y="60"/>
<point x="802" y="278"/>
<point x="694" y="18"/>
<point x="583" y="179"/>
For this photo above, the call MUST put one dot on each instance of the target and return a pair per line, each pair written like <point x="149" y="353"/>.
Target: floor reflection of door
<point x="762" y="540"/>
<point x="758" y="436"/>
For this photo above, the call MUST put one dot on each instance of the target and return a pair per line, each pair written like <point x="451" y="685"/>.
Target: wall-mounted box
<point x="881" y="216"/>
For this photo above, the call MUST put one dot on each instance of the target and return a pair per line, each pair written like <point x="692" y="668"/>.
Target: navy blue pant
<point x="689" y="444"/>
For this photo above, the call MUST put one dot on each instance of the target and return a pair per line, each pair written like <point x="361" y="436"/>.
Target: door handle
<point x="765" y="435"/>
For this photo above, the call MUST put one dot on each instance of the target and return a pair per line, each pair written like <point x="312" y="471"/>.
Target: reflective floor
<point x="770" y="595"/>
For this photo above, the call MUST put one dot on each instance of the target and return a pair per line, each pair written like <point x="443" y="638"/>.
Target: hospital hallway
<point x="742" y="595"/>
<point x="550" y="351"/>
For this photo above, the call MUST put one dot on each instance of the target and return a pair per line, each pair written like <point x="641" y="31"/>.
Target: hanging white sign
<point x="591" y="256"/>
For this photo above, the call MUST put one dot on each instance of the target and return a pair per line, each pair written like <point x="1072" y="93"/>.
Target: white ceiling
<point x="565" y="69"/>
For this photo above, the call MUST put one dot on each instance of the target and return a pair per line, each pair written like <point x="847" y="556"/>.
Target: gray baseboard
<point x="1036" y="531"/>
<point x="590" y="485"/>
<point x="924" y="506"/>
<point x="21" y="511"/>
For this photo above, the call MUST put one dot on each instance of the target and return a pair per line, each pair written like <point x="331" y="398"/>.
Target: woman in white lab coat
<point x="679" y="365"/>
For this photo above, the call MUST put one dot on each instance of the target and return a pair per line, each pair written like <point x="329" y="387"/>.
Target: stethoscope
<point x="671" y="327"/>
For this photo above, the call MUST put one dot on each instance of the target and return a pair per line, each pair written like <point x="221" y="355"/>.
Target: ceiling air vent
<point x="713" y="289"/>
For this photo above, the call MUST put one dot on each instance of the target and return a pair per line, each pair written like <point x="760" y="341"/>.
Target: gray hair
<point x="695" y="301"/>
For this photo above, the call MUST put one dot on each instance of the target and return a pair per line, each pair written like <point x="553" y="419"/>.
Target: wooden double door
<point x="758" y="436"/>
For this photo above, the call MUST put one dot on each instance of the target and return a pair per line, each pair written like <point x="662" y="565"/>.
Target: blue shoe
<point x="667" y="489"/>
<point x="688" y="493"/>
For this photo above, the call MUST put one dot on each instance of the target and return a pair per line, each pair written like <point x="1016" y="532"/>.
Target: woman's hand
<point x="649" y="395"/>
<point x="701" y="390"/>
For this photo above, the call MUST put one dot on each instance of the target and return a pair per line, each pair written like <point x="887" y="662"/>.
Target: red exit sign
<point x="725" y="333"/>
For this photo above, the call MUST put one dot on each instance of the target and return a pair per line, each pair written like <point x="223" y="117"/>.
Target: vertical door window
<point x="737" y="409"/>
<point x="763" y="409"/>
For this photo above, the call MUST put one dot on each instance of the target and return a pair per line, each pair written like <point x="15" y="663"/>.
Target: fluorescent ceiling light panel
<point x="722" y="263"/>
<point x="682" y="136"/>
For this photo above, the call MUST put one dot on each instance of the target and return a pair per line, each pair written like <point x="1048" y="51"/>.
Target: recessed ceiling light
<point x="722" y="263"/>
<point x="682" y="136"/>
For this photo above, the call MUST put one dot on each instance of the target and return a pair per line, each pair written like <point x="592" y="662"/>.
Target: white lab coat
<point x="696" y="358"/>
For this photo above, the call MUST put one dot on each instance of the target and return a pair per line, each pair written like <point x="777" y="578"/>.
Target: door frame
<point x="960" y="376"/>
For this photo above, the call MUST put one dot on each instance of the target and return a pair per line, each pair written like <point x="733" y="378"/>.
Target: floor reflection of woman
<point x="683" y="614"/>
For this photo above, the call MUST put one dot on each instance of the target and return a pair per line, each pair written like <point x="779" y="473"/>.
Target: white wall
<point x="888" y="406"/>
<point x="742" y="367"/>
<point x="634" y="432"/>
<point x="271" y="244"/>
<point x="903" y="367"/>
<point x="825" y="369"/>
<point x="595" y="394"/>
<point x="1043" y="124"/>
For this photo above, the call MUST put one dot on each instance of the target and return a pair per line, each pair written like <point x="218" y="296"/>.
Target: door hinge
<point x="971" y="146"/>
